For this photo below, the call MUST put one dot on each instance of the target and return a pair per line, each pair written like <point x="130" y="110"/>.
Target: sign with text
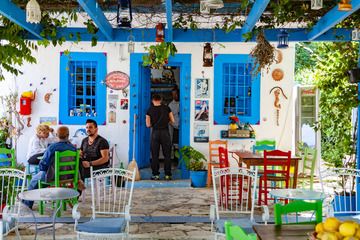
<point x="117" y="80"/>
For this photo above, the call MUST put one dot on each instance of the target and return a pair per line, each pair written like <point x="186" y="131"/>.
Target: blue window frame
<point x="236" y="89"/>
<point x="82" y="92"/>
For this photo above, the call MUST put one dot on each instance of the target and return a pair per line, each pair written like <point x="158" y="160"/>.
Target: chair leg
<point x="260" y="192"/>
<point x="41" y="207"/>
<point x="57" y="206"/>
<point x="209" y="176"/>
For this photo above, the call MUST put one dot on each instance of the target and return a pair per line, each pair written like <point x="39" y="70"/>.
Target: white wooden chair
<point x="12" y="182"/>
<point x="339" y="186"/>
<point x="111" y="194"/>
<point x="234" y="196"/>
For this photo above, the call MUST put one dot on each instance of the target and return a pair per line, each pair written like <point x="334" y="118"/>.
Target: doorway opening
<point x="144" y="82"/>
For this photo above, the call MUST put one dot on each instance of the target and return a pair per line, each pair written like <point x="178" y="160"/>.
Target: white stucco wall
<point x="48" y="62"/>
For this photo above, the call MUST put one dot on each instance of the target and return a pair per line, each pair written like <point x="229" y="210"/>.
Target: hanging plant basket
<point x="263" y="54"/>
<point x="158" y="54"/>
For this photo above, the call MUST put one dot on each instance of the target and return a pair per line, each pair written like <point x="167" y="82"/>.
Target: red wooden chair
<point x="230" y="185"/>
<point x="276" y="169"/>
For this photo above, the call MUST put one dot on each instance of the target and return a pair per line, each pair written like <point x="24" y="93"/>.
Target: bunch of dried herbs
<point x="263" y="54"/>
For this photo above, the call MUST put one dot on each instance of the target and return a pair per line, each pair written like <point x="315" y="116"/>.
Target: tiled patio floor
<point x="157" y="202"/>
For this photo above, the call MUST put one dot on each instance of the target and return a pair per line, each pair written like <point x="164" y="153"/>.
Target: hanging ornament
<point x="33" y="12"/>
<point x="345" y="5"/>
<point x="316" y="4"/>
<point x="131" y="44"/>
<point x="207" y="55"/>
<point x="283" y="39"/>
<point x="160" y="33"/>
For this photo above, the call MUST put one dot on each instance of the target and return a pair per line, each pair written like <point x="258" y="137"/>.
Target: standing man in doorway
<point x="174" y="106"/>
<point x="158" y="117"/>
<point x="94" y="150"/>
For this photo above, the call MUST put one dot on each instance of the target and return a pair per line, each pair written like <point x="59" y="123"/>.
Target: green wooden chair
<point x="296" y="207"/>
<point x="237" y="233"/>
<point x="10" y="157"/>
<point x="66" y="170"/>
<point x="306" y="176"/>
<point x="262" y="145"/>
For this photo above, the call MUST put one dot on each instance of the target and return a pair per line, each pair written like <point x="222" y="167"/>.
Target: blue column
<point x="358" y="142"/>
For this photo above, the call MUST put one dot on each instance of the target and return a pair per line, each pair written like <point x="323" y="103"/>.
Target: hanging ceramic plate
<point x="277" y="74"/>
<point x="278" y="56"/>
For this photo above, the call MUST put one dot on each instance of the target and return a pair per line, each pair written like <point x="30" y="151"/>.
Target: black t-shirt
<point x="93" y="152"/>
<point x="159" y="116"/>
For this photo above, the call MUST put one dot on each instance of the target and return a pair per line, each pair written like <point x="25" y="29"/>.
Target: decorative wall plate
<point x="278" y="56"/>
<point x="277" y="74"/>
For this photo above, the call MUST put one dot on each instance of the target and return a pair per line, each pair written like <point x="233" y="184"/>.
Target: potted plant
<point x="195" y="163"/>
<point x="159" y="54"/>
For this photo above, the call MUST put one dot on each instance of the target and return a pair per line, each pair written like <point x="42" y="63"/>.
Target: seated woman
<point x="39" y="143"/>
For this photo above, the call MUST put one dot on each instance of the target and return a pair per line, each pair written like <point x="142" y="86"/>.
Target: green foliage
<point x="193" y="159"/>
<point x="158" y="54"/>
<point x="337" y="99"/>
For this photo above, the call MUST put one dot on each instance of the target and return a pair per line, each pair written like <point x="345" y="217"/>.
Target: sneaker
<point x="168" y="177"/>
<point x="155" y="177"/>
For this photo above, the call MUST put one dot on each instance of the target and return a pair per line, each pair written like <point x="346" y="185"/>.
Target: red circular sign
<point x="117" y="80"/>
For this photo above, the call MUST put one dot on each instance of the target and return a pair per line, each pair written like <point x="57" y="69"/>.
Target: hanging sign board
<point x="117" y="80"/>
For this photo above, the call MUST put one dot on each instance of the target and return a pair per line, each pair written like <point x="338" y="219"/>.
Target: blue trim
<point x="97" y="15"/>
<point x="18" y="16"/>
<point x="100" y="58"/>
<point x="256" y="11"/>
<point x="184" y="62"/>
<point x="169" y="35"/>
<point x="358" y="143"/>
<point x="330" y="19"/>
<point x="219" y="117"/>
<point x="200" y="35"/>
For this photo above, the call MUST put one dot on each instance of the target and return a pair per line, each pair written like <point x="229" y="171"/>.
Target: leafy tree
<point x="337" y="99"/>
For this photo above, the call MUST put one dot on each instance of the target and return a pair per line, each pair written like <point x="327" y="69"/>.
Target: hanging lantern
<point x="345" y="5"/>
<point x="131" y="44"/>
<point x="283" y="39"/>
<point x="33" y="12"/>
<point x="207" y="55"/>
<point x="124" y="13"/>
<point x="316" y="4"/>
<point x="160" y="32"/>
<point x="355" y="34"/>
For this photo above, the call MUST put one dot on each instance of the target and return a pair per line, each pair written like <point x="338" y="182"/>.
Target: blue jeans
<point x="40" y="176"/>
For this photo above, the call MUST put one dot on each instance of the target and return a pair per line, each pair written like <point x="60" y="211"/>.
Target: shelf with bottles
<point x="163" y="85"/>
<point x="224" y="134"/>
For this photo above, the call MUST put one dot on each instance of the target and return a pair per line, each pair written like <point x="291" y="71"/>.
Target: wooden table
<point x="254" y="159"/>
<point x="284" y="232"/>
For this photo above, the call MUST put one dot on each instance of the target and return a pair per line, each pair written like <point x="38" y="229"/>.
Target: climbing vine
<point x="337" y="100"/>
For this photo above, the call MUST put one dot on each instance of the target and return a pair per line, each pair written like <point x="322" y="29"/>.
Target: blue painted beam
<point x="201" y="35"/>
<point x="18" y="16"/>
<point x="358" y="142"/>
<point x="97" y="15"/>
<point x="256" y="11"/>
<point x="169" y="35"/>
<point x="330" y="19"/>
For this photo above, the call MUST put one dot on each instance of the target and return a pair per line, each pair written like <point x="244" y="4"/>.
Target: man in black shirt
<point x="158" y="117"/>
<point x="94" y="150"/>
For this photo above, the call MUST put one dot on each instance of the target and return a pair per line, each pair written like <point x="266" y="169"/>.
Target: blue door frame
<point x="140" y="91"/>
<point x="358" y="142"/>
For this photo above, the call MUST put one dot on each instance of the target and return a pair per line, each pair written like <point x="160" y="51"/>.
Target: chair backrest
<point x="236" y="233"/>
<point x="67" y="168"/>
<point x="12" y="183"/>
<point x="234" y="191"/>
<point x="223" y="157"/>
<point x="9" y="160"/>
<point x="266" y="144"/>
<point x="298" y="206"/>
<point x="214" y="150"/>
<point x="309" y="161"/>
<point x="339" y="186"/>
<point x="111" y="191"/>
<point x="277" y="158"/>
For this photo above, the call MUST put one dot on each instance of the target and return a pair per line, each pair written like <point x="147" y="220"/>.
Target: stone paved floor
<point x="148" y="202"/>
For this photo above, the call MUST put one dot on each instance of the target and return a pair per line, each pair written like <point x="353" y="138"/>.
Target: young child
<point x="39" y="143"/>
